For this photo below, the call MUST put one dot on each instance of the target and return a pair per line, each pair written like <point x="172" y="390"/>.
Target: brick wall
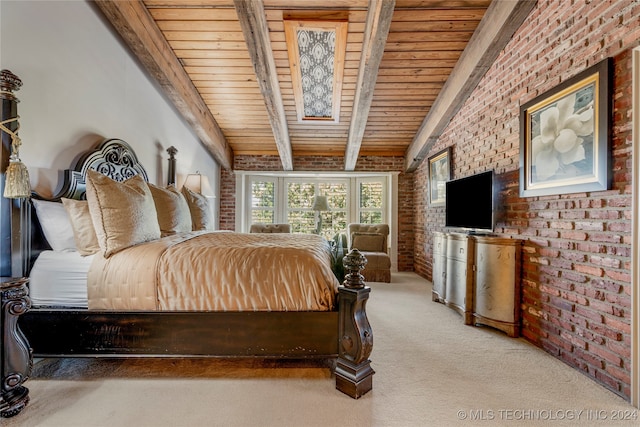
<point x="576" y="258"/>
<point x="326" y="164"/>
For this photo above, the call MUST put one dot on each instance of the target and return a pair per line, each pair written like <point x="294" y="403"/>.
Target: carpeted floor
<point x="431" y="370"/>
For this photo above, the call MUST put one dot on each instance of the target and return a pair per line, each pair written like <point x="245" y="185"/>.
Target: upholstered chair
<point x="270" y="228"/>
<point x="371" y="241"/>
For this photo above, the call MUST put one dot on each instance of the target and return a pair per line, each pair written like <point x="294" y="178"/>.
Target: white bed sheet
<point x="59" y="279"/>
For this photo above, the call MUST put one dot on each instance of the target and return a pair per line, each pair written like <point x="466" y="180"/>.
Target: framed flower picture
<point x="564" y="136"/>
<point x="439" y="174"/>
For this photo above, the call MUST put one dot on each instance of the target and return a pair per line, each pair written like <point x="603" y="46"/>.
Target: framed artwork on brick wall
<point x="564" y="136"/>
<point x="439" y="174"/>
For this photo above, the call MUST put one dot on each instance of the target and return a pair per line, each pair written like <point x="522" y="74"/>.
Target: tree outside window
<point x="263" y="201"/>
<point x="335" y="220"/>
<point x="371" y="197"/>
<point x="299" y="201"/>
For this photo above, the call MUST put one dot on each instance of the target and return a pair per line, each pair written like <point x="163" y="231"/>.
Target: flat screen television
<point x="470" y="202"/>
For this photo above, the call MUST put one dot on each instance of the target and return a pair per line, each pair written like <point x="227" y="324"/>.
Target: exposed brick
<point x="622" y="276"/>
<point x="608" y="381"/>
<point x="620" y="374"/>
<point x="606" y="355"/>
<point x="588" y="269"/>
<point x="620" y="327"/>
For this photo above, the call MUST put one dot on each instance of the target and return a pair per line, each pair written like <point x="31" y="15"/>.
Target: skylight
<point x="316" y="57"/>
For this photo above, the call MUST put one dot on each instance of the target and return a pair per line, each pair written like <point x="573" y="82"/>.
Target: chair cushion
<point x="369" y="228"/>
<point x="370" y="242"/>
<point x="377" y="261"/>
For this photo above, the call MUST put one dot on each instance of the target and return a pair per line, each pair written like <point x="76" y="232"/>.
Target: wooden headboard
<point x="113" y="158"/>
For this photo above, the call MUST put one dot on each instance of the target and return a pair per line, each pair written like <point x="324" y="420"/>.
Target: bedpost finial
<point x="353" y="262"/>
<point x="9" y="83"/>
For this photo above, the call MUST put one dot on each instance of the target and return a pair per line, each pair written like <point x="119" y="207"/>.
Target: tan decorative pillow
<point x="174" y="215"/>
<point x="83" y="231"/>
<point x="123" y="213"/>
<point x="200" y="213"/>
<point x="368" y="242"/>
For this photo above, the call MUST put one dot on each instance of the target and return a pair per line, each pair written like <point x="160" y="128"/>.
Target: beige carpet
<point x="431" y="370"/>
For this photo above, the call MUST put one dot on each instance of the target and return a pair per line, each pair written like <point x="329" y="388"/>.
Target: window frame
<point x="250" y="206"/>
<point x="385" y="199"/>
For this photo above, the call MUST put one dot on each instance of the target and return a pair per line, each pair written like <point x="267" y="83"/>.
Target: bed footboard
<point x="90" y="333"/>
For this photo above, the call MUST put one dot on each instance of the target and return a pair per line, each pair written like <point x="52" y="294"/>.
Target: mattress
<point x="59" y="279"/>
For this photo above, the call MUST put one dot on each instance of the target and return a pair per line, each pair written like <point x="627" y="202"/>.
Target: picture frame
<point x="439" y="174"/>
<point x="564" y="136"/>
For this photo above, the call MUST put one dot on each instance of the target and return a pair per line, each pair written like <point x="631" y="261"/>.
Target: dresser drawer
<point x="457" y="247"/>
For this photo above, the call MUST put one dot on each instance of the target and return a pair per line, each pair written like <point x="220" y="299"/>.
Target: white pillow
<point x="55" y="224"/>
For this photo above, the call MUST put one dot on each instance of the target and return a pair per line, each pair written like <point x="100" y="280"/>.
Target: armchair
<point x="371" y="241"/>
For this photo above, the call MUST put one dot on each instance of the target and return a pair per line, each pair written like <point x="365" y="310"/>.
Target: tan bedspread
<point x="220" y="271"/>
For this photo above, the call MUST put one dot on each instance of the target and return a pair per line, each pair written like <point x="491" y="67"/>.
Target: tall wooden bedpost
<point x="13" y="242"/>
<point x="354" y="375"/>
<point x="171" y="175"/>
<point x="15" y="353"/>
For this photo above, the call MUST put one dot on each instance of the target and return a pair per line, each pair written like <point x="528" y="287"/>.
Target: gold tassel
<point x="17" y="184"/>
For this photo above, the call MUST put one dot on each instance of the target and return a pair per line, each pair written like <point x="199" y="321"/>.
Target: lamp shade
<point x="198" y="183"/>
<point x="320" y="204"/>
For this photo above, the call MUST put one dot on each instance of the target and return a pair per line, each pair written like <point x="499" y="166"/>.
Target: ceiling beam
<point x="256" y="35"/>
<point x="377" y="26"/>
<point x="138" y="29"/>
<point x="496" y="28"/>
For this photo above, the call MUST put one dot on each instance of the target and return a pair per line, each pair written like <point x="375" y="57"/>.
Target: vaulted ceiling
<point x="408" y="67"/>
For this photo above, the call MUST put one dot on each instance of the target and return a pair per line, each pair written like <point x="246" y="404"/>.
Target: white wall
<point x="80" y="86"/>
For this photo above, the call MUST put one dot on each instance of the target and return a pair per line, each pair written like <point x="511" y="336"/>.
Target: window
<point x="299" y="202"/>
<point x="335" y="220"/>
<point x="316" y="51"/>
<point x="301" y="194"/>
<point x="371" y="201"/>
<point x="288" y="197"/>
<point x="263" y="201"/>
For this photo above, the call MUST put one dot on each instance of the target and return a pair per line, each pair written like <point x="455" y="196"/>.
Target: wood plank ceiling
<point x="399" y="56"/>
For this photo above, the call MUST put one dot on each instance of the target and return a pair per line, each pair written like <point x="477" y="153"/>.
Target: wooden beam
<point x="138" y="29"/>
<point x="256" y="34"/>
<point x="498" y="25"/>
<point x="376" y="31"/>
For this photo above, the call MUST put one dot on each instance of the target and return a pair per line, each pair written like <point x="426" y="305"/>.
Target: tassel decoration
<point x="17" y="184"/>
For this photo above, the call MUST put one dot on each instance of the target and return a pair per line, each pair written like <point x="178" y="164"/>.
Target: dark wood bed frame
<point x="343" y="335"/>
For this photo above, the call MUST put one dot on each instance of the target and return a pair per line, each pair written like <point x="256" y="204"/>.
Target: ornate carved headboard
<point x="113" y="158"/>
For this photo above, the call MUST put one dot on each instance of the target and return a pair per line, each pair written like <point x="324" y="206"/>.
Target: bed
<point x="184" y="293"/>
